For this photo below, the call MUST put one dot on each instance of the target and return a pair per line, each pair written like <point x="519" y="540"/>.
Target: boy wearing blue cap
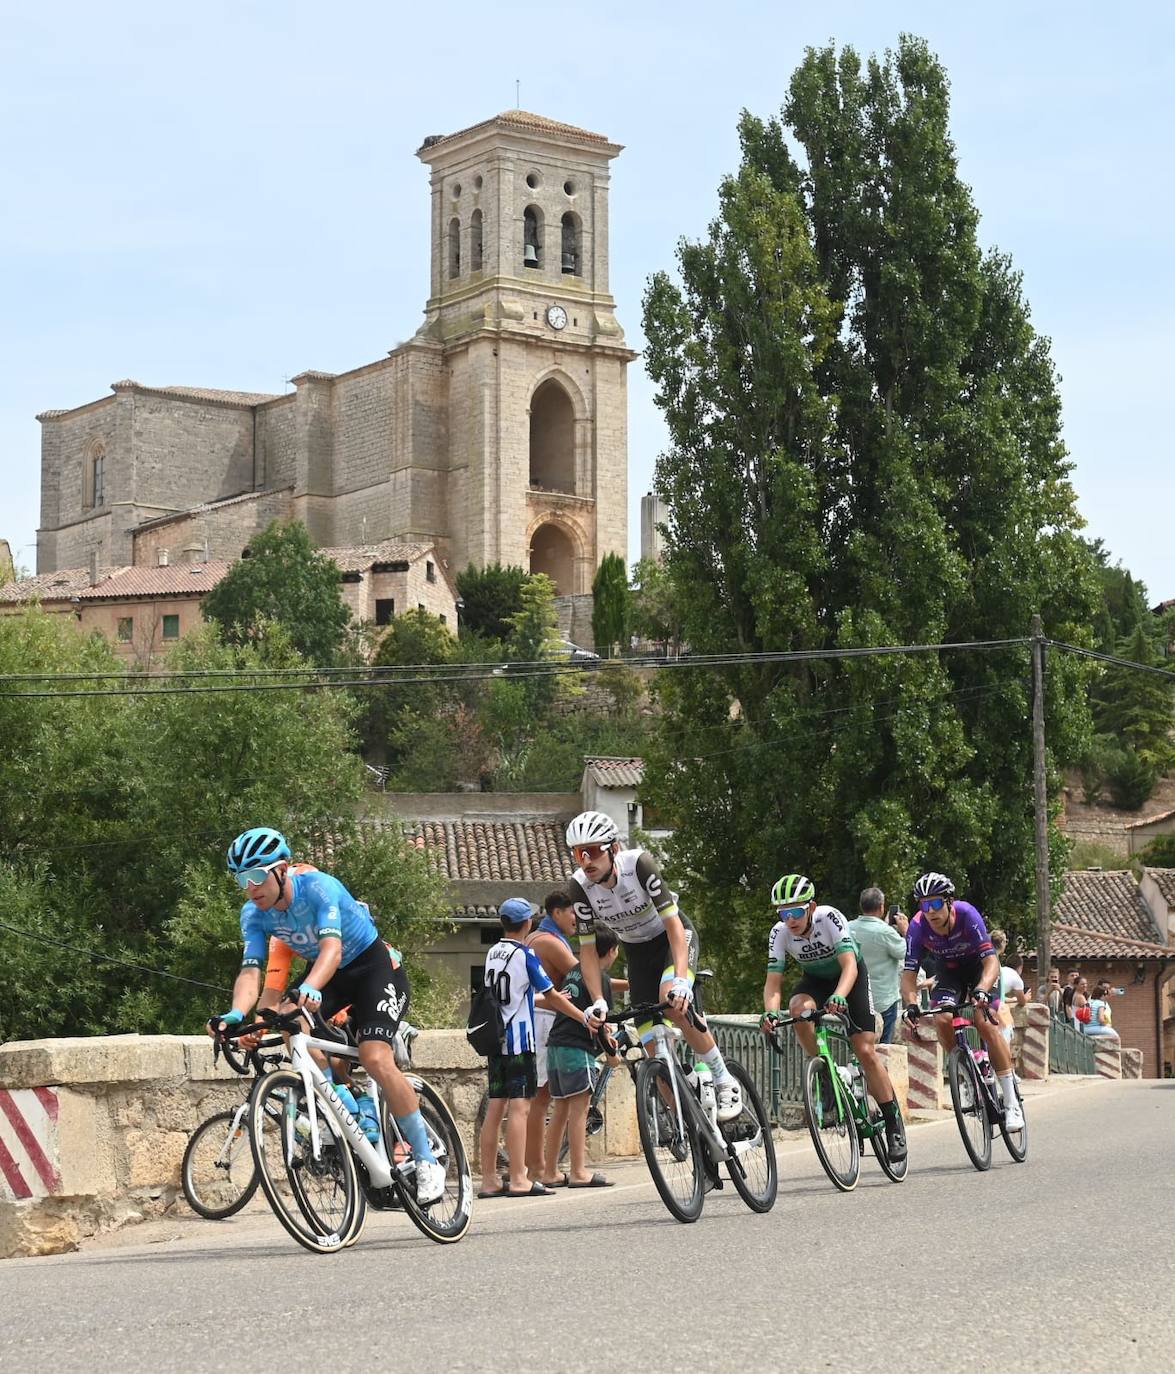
<point x="516" y="977"/>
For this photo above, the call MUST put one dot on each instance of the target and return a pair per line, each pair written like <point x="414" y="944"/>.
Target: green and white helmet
<point x="793" y="889"/>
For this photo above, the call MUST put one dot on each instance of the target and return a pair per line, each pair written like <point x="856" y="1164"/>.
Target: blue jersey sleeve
<point x="536" y="973"/>
<point x="254" y="937"/>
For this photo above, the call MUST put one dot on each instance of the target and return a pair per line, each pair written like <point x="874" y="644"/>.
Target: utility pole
<point x="1040" y="806"/>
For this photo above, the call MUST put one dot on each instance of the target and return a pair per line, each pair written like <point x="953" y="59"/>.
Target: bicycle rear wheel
<point x="970" y="1107"/>
<point x="447" y="1219"/>
<point x="670" y="1144"/>
<point x="1016" y="1141"/>
<point x="218" y="1174"/>
<point x="317" y="1200"/>
<point x="894" y="1169"/>
<point x="753" y="1170"/>
<point x="831" y="1125"/>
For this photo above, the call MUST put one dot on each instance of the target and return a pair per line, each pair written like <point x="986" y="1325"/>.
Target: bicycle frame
<point x="827" y="1026"/>
<point x="959" y="1025"/>
<point x="718" y="1148"/>
<point x="374" y="1157"/>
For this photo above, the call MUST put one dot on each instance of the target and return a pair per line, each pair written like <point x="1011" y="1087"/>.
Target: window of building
<point x="454" y="247"/>
<point x="171" y="627"/>
<point x="443" y="618"/>
<point x="571" y="245"/>
<point x="430" y="571"/>
<point x="99" y="478"/>
<point x="94" y="477"/>
<point x="385" y="610"/>
<point x="126" y="629"/>
<point x="532" y="237"/>
<point x="475" y="242"/>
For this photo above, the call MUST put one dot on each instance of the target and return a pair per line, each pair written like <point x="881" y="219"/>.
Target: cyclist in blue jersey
<point x="318" y="918"/>
<point x="953" y="935"/>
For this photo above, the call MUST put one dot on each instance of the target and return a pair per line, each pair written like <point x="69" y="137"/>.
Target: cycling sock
<point x="889" y="1110"/>
<point x="716" y="1064"/>
<point x="416" y="1134"/>
<point x="1008" y="1083"/>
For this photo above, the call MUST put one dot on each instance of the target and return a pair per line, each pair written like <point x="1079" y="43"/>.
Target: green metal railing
<point x="778" y="1077"/>
<point x="1069" y="1050"/>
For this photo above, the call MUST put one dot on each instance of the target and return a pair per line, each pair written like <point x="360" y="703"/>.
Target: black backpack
<point x="485" y="1028"/>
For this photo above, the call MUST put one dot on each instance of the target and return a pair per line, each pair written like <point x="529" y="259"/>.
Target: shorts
<point x="860" y="999"/>
<point x="650" y="963"/>
<point x="377" y="994"/>
<point x="570" y="1070"/>
<point x="956" y="984"/>
<point x="543" y="1021"/>
<point x="513" y="1075"/>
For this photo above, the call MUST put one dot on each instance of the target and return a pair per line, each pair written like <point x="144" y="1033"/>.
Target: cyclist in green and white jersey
<point x="834" y="977"/>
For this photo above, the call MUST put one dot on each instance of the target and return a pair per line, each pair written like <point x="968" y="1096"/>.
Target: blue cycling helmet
<point x="257" y="848"/>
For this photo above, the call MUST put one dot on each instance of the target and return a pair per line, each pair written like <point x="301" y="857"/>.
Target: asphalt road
<point x="1065" y="1262"/>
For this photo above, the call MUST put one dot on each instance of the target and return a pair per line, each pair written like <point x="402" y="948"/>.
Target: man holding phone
<point x="882" y="941"/>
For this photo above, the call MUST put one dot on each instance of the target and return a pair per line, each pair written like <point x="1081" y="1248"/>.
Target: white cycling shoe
<point x="430" y="1182"/>
<point x="730" y="1099"/>
<point x="1013" y="1117"/>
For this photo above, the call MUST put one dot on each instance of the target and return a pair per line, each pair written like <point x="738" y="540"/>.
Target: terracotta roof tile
<point x="200" y="393"/>
<point x="156" y="521"/>
<point x="1106" y="904"/>
<point x="177" y="579"/>
<point x="52" y="586"/>
<point x="359" y="557"/>
<point x="1150" y="820"/>
<point x="612" y="772"/>
<point x="523" y="119"/>
<point x="1071" y="942"/>
<point x="1165" y="881"/>
<point x="518" y="851"/>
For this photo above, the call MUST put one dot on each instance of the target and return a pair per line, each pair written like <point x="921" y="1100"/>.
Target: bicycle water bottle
<point x="986" y="1072"/>
<point x="368" y="1120"/>
<point x="857" y="1082"/>
<point x="347" y="1098"/>
<point x="706" y="1094"/>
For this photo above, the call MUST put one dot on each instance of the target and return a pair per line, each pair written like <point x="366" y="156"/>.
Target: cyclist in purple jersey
<point x="954" y="937"/>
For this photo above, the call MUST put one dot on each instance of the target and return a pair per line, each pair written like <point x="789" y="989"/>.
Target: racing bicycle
<point x="317" y="1168"/>
<point x="681" y="1137"/>
<point x="977" y="1095"/>
<point x="839" y="1109"/>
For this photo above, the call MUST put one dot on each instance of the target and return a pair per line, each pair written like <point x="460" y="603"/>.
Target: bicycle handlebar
<point x="954" y="1008"/>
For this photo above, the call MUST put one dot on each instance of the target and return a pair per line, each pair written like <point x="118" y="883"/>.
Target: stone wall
<point x="225" y="532"/>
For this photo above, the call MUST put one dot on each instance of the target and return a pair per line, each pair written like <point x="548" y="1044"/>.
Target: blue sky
<point x="226" y="194"/>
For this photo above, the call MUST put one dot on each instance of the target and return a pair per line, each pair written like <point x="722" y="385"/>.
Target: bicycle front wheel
<point x="1016" y="1141"/>
<point x="753" y="1169"/>
<point x="218" y="1174"/>
<point x="831" y="1125"/>
<point x="447" y="1219"/>
<point x="670" y="1143"/>
<point x="316" y="1198"/>
<point x="970" y="1107"/>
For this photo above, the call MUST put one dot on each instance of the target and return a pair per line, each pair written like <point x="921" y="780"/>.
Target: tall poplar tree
<point x="864" y="449"/>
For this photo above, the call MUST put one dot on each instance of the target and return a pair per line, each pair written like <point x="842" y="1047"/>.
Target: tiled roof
<point x="523" y="119"/>
<point x="200" y="393"/>
<point x="1106" y="904"/>
<point x="1150" y="820"/>
<point x="359" y="557"/>
<point x="493" y="851"/>
<point x="1165" y="881"/>
<point x="158" y="520"/>
<point x="1070" y="942"/>
<point x="52" y="586"/>
<point x="610" y="772"/>
<point x="474" y="913"/>
<point x="114" y="584"/>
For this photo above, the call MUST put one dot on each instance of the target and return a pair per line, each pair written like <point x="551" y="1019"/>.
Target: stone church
<point x="498" y="433"/>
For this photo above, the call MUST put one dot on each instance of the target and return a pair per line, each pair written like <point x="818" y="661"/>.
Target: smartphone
<point x="1121" y="992"/>
<point x="890" y="914"/>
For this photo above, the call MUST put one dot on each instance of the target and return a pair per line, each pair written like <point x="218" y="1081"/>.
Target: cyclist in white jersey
<point x="621" y="890"/>
<point x="834" y="976"/>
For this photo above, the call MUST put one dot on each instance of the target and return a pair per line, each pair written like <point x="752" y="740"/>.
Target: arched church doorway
<point x="552" y="552"/>
<point x="552" y="439"/>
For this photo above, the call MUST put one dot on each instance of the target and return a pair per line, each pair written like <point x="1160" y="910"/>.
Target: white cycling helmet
<point x="591" y="827"/>
<point x="934" y="885"/>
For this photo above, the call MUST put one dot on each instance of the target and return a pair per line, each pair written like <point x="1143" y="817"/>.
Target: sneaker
<point x="430" y="1182"/>
<point x="895" y="1141"/>
<point x="730" y="1099"/>
<point x="1013" y="1117"/>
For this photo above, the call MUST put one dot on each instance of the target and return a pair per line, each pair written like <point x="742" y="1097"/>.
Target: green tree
<point x="1137" y="707"/>
<point x="1160" y="853"/>
<point x="610" y="604"/>
<point x="864" y="450"/>
<point x="286" y="580"/>
<point x="492" y="596"/>
<point x="534" y="639"/>
<point x="392" y="711"/>
<point x="655" y="616"/>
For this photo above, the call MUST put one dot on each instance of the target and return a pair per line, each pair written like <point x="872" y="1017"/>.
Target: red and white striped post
<point x="925" y="1067"/>
<point x="1034" y="1022"/>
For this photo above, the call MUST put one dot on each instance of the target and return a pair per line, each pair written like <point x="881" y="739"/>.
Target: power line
<point x="1112" y="658"/>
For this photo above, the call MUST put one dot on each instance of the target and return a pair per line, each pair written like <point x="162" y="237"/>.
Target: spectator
<point x="1067" y="994"/>
<point x="1011" y="988"/>
<point x="571" y="1052"/>
<point x="882" y="942"/>
<point x="551" y="941"/>
<point x="514" y="972"/>
<point x="1081" y="1012"/>
<point x="1099" y="1023"/>
<point x="1050" y="992"/>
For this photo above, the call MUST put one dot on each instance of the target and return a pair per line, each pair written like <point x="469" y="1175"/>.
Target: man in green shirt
<point x="882" y="942"/>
